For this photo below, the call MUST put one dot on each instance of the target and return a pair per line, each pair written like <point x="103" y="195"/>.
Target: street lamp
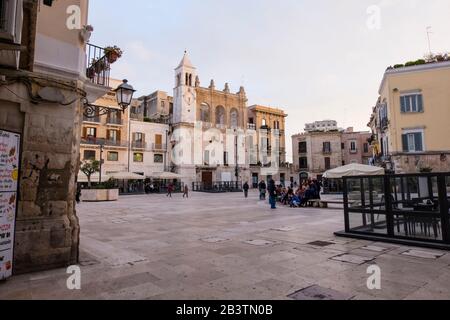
<point x="124" y="96"/>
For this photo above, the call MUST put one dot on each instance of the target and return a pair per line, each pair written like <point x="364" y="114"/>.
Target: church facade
<point x="209" y="130"/>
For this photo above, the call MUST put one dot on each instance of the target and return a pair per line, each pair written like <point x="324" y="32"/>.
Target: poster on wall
<point x="9" y="176"/>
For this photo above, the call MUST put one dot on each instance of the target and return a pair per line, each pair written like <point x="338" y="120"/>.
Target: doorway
<point x="207" y="179"/>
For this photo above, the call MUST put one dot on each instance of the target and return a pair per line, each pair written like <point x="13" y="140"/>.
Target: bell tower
<point x="184" y="95"/>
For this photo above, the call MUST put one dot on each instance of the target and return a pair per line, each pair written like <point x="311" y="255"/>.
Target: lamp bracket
<point x="93" y="111"/>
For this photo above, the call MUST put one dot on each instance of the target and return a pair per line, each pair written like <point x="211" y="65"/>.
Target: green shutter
<point x="405" y="143"/>
<point x="403" y="104"/>
<point x="420" y="103"/>
<point x="418" y="141"/>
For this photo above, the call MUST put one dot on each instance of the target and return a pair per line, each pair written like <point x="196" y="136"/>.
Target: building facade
<point x="105" y="137"/>
<point x="325" y="125"/>
<point x="207" y="138"/>
<point x="316" y="152"/>
<point x="410" y="120"/>
<point x="43" y="84"/>
<point x="356" y="147"/>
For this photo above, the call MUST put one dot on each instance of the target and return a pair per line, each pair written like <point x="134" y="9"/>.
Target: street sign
<point x="9" y="178"/>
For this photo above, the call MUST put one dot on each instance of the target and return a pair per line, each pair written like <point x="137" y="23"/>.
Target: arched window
<point x="220" y="115"/>
<point x="205" y="113"/>
<point x="234" y="118"/>
<point x="264" y="122"/>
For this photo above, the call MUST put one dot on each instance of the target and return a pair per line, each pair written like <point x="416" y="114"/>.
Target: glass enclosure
<point x="408" y="207"/>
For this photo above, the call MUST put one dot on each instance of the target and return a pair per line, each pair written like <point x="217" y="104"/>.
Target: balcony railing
<point x="98" y="66"/>
<point x="251" y="126"/>
<point x="159" y="147"/>
<point x="114" y="121"/>
<point x="139" y="145"/>
<point x="94" y="120"/>
<point x="103" y="142"/>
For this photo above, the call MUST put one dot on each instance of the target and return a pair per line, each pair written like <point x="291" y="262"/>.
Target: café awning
<point x="352" y="170"/>
<point x="126" y="176"/>
<point x="82" y="178"/>
<point x="165" y="176"/>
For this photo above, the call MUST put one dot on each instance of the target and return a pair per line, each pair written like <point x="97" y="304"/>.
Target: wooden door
<point x="207" y="179"/>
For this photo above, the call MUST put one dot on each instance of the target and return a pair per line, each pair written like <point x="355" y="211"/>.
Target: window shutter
<point x="405" y="143"/>
<point x="420" y="103"/>
<point x="418" y="141"/>
<point x="85" y="132"/>
<point x="134" y="137"/>
<point x="403" y="104"/>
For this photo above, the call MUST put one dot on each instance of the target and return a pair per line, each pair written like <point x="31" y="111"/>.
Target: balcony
<point x="92" y="120"/>
<point x="103" y="142"/>
<point x="353" y="151"/>
<point x="251" y="126"/>
<point x="159" y="147"/>
<point x="114" y="121"/>
<point x="139" y="145"/>
<point x="98" y="66"/>
<point x="326" y="151"/>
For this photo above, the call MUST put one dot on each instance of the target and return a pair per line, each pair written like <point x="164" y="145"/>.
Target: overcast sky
<point x="316" y="59"/>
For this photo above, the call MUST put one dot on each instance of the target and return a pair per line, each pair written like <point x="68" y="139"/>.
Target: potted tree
<point x="113" y="53"/>
<point x="89" y="168"/>
<point x="105" y="191"/>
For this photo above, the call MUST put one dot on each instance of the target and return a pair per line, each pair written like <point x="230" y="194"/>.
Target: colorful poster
<point x="9" y="176"/>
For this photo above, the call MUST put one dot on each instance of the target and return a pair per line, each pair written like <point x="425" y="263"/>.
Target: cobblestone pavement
<point x="221" y="246"/>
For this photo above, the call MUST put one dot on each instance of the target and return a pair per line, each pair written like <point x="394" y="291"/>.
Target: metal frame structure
<point x="419" y="217"/>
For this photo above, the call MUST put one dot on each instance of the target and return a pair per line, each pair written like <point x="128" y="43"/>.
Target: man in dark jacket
<point x="246" y="187"/>
<point x="272" y="194"/>
<point x="262" y="190"/>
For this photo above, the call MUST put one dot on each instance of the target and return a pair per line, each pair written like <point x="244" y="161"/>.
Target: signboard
<point x="9" y="176"/>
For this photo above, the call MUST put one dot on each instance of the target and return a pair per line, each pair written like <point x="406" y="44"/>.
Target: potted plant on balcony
<point x="113" y="53"/>
<point x="99" y="65"/>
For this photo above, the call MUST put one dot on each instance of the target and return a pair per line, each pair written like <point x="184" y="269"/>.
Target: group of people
<point x="294" y="196"/>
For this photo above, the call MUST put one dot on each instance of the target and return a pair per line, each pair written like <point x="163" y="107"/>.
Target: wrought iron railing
<point x="114" y="121"/>
<point x="139" y="145"/>
<point x="159" y="147"/>
<point x="217" y="187"/>
<point x="103" y="142"/>
<point x="98" y="66"/>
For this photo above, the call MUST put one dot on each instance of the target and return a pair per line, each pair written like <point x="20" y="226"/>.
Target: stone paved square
<point x="198" y="249"/>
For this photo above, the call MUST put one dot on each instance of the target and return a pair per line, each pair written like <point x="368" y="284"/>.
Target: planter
<point x="112" y="57"/>
<point x="90" y="73"/>
<point x="100" y="195"/>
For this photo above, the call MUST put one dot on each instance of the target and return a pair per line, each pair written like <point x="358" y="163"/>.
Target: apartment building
<point x="410" y="119"/>
<point x="315" y="152"/>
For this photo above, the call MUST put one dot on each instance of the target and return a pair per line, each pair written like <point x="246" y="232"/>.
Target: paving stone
<point x="353" y="259"/>
<point x="423" y="254"/>
<point x="375" y="248"/>
<point x="319" y="293"/>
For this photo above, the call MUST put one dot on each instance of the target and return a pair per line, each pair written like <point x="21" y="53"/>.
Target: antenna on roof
<point x="429" y="40"/>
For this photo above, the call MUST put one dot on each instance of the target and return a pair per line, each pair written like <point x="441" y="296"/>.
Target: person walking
<point x="78" y="195"/>
<point x="169" y="190"/>
<point x="272" y="194"/>
<point x="246" y="187"/>
<point x="186" y="192"/>
<point x="262" y="190"/>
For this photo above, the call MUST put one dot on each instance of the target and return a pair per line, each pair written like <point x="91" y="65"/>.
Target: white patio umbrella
<point x="126" y="176"/>
<point x="82" y="178"/>
<point x="165" y="176"/>
<point x="354" y="169"/>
